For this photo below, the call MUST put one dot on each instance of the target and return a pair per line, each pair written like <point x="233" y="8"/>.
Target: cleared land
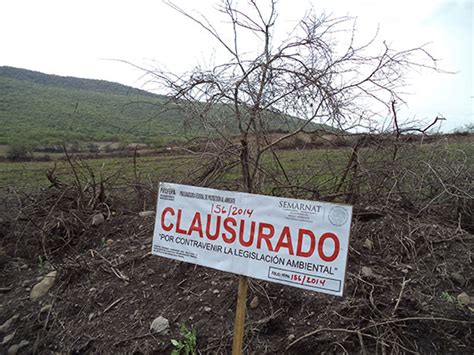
<point x="410" y="259"/>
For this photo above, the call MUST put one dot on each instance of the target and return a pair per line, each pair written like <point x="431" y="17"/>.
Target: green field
<point x="30" y="176"/>
<point x="321" y="168"/>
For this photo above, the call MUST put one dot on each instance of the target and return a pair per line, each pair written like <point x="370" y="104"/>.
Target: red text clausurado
<point x="252" y="233"/>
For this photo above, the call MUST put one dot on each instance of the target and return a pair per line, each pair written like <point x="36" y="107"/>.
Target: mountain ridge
<point x="70" y="81"/>
<point x="44" y="109"/>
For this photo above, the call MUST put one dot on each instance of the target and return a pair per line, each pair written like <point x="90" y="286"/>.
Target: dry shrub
<point x="58" y="220"/>
<point x="432" y="181"/>
<point x="412" y="229"/>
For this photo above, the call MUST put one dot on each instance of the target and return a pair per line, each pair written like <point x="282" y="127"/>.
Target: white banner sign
<point x="293" y="242"/>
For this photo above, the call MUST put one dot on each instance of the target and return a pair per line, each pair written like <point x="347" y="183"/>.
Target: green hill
<point x="43" y="109"/>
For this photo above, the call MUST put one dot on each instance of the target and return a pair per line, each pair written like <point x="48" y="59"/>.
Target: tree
<point x="318" y="74"/>
<point x="18" y="152"/>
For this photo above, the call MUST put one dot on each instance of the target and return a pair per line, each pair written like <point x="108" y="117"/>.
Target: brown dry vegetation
<point x="410" y="257"/>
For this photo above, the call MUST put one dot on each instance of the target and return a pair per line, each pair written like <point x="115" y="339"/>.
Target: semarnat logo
<point x="299" y="206"/>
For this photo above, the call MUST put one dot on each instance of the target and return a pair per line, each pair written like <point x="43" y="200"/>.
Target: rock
<point x="367" y="271"/>
<point x="4" y="327"/>
<point x="12" y="350"/>
<point x="464" y="299"/>
<point x="291" y="337"/>
<point x="46" y="308"/>
<point x="368" y="244"/>
<point x="159" y="325"/>
<point x="98" y="219"/>
<point x="145" y="214"/>
<point x="207" y="309"/>
<point x="42" y="288"/>
<point x="456" y="276"/>
<point x="254" y="302"/>
<point x="216" y="292"/>
<point x="24" y="343"/>
<point x="7" y="338"/>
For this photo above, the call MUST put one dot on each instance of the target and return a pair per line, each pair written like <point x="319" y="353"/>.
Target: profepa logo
<point x="299" y="206"/>
<point x="167" y="191"/>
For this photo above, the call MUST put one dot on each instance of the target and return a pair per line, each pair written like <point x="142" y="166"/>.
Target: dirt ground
<point x="403" y="294"/>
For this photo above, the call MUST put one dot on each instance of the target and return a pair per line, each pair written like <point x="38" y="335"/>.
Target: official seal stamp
<point x="338" y="216"/>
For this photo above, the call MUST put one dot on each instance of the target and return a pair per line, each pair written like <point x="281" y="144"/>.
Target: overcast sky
<point x="76" y="38"/>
